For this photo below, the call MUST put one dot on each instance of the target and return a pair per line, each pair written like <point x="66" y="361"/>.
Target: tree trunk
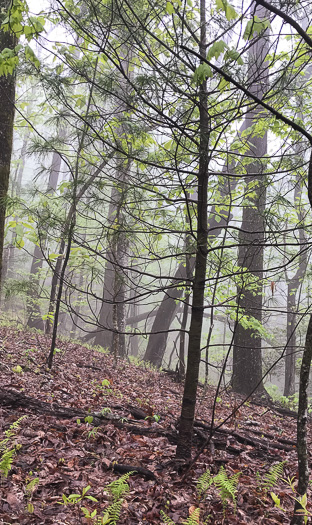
<point x="7" y="100"/>
<point x="294" y="283"/>
<point x="247" y="358"/>
<point x="302" y="449"/>
<point x="184" y="444"/>
<point x="292" y="306"/>
<point x="104" y="333"/>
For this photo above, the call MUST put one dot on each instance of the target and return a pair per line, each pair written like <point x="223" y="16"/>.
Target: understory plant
<point x="226" y="486"/>
<point x="270" y="479"/>
<point x="9" y="447"/>
<point x="116" y="491"/>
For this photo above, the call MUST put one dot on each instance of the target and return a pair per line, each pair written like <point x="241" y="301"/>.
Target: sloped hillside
<point x="88" y="423"/>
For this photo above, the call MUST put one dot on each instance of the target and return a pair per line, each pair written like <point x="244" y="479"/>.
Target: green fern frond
<point x="166" y="519"/>
<point x="4" y="443"/>
<point x="31" y="486"/>
<point x="118" y="488"/>
<point x="114" y="511"/>
<point x="227" y="486"/>
<point x="203" y="483"/>
<point x="8" y="447"/>
<point x="193" y="519"/>
<point x="272" y="476"/>
<point x="14" y="427"/>
<point x="6" y="461"/>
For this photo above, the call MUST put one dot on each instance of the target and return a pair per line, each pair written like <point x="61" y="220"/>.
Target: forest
<point x="155" y="272"/>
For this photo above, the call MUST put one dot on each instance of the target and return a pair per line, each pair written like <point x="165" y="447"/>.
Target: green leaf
<point x="216" y="49"/>
<point x="276" y="499"/>
<point x="254" y="27"/>
<point x="234" y="55"/>
<point x="169" y="8"/>
<point x="17" y="369"/>
<point x="91" y="498"/>
<point x="223" y="84"/>
<point x="202" y="72"/>
<point x="228" y="9"/>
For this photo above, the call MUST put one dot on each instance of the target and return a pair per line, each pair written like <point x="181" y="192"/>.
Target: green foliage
<point x="302" y="500"/>
<point x="227" y="486"/>
<point x="271" y="478"/>
<point x="201" y="73"/>
<point x="255" y="26"/>
<point x="20" y="23"/>
<point x="17" y="369"/>
<point x="102" y="387"/>
<point x="16" y="287"/>
<point x="216" y="49"/>
<point x="290" y="402"/>
<point x="117" y="489"/>
<point x="31" y="485"/>
<point x="229" y="10"/>
<point x="8" y="448"/>
<point x="73" y="499"/>
<point x="6" y="461"/>
<point x="203" y="483"/>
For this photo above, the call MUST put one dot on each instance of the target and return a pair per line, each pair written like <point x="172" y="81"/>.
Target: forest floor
<point x="60" y="453"/>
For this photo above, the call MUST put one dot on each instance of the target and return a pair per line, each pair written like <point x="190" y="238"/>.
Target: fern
<point x="193" y="519"/>
<point x="31" y="486"/>
<point x="227" y="487"/>
<point x="166" y="519"/>
<point x="13" y="428"/>
<point x="272" y="476"/>
<point x="6" y="461"/>
<point x="112" y="513"/>
<point x="203" y="483"/>
<point x="9" y="447"/>
<point x="119" y="487"/>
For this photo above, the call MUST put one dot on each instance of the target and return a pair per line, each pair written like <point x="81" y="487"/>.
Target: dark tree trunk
<point x="302" y="449"/>
<point x="104" y="333"/>
<point x="7" y="100"/>
<point x="184" y="444"/>
<point x="247" y="358"/>
<point x="112" y="317"/>
<point x="54" y="288"/>
<point x="33" y="310"/>
<point x="293" y="285"/>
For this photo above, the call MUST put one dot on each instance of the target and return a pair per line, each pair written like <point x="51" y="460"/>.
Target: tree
<point x="199" y="279"/>
<point x="8" y="40"/>
<point x="247" y="360"/>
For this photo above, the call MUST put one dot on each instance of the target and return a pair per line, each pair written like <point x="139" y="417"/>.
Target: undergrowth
<point x="9" y="447"/>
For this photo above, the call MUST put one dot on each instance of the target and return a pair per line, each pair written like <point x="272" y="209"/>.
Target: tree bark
<point x="292" y="288"/>
<point x="184" y="445"/>
<point x="302" y="449"/>
<point x="247" y="358"/>
<point x="7" y="100"/>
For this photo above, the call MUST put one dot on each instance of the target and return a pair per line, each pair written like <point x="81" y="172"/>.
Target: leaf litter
<point x="66" y="455"/>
